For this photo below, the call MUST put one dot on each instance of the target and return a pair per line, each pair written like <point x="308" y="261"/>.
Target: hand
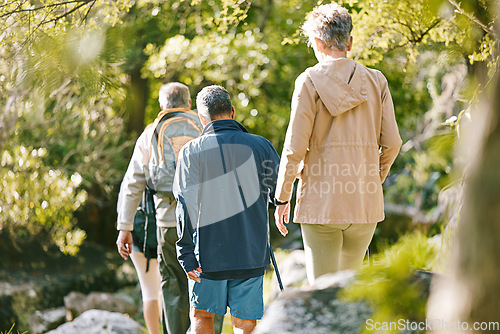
<point x="194" y="276"/>
<point x="281" y="217"/>
<point x="124" y="243"/>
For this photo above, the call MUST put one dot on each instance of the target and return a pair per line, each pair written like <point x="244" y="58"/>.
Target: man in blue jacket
<point x="225" y="180"/>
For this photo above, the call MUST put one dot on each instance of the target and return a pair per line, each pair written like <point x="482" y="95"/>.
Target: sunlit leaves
<point x="232" y="13"/>
<point x="486" y="52"/>
<point x="24" y="20"/>
<point x="382" y="26"/>
<point x="37" y="202"/>
<point x="64" y="101"/>
<point x="236" y="60"/>
<point x="244" y="54"/>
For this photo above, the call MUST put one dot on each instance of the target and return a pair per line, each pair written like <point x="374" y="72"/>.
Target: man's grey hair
<point x="213" y="101"/>
<point x="330" y="23"/>
<point x="174" y="95"/>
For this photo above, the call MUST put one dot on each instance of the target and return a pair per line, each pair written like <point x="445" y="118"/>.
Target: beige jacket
<point x="341" y="142"/>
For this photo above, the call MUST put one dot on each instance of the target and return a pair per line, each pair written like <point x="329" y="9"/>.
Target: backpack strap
<point x="175" y="142"/>
<point x="173" y="128"/>
<point x="163" y="121"/>
<point x="149" y="226"/>
<point x="163" y="116"/>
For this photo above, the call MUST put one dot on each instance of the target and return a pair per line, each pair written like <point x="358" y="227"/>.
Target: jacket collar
<point x="223" y="125"/>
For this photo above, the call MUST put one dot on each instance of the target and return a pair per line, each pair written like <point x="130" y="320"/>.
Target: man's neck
<point x="221" y="119"/>
<point x="333" y="54"/>
<point x="204" y="121"/>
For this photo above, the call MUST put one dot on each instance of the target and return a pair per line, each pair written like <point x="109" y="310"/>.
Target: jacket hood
<point x="339" y="83"/>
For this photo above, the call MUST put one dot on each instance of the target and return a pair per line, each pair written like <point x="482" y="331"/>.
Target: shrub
<point x="37" y="202"/>
<point x="390" y="285"/>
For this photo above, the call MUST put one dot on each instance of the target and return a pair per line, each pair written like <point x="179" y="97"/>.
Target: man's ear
<point x="232" y="112"/>
<point x="349" y="47"/>
<point x="190" y="103"/>
<point x="320" y="46"/>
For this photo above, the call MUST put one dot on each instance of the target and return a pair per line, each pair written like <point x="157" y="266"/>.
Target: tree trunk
<point x="470" y="295"/>
<point x="136" y="101"/>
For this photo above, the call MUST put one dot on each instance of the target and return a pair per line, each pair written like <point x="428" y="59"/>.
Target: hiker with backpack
<point x="224" y="183"/>
<point x="151" y="170"/>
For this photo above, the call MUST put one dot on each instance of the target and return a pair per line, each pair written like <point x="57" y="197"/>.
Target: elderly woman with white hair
<point x="341" y="142"/>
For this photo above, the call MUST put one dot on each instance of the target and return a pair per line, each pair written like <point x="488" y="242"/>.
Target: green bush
<point x="390" y="285"/>
<point x="37" y="202"/>
<point x="65" y="147"/>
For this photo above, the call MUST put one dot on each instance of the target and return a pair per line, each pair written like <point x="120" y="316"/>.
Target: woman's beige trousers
<point x="333" y="247"/>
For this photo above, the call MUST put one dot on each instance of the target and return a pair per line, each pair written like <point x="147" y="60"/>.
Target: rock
<point x="334" y="280"/>
<point x="24" y="290"/>
<point x="44" y="321"/>
<point x="76" y="303"/>
<point x="292" y="271"/>
<point x="99" y="322"/>
<point x="315" y="309"/>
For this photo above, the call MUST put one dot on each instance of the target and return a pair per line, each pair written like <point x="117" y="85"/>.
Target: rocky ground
<point x="42" y="282"/>
<point x="99" y="292"/>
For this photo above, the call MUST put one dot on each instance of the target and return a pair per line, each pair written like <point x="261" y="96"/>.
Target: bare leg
<point x="152" y="316"/>
<point x="202" y="322"/>
<point x="150" y="289"/>
<point x="242" y="326"/>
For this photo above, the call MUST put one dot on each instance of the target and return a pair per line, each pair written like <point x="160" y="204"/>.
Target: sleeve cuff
<point x="126" y="226"/>
<point x="278" y="202"/>
<point x="189" y="263"/>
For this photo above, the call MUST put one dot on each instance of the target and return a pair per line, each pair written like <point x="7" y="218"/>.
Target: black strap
<point x="148" y="203"/>
<point x="352" y="74"/>
<point x="275" y="265"/>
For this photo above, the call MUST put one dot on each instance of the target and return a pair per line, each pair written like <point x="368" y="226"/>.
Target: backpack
<point x="166" y="143"/>
<point x="144" y="233"/>
<point x="173" y="129"/>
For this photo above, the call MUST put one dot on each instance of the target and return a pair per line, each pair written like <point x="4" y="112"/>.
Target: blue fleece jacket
<point x="225" y="180"/>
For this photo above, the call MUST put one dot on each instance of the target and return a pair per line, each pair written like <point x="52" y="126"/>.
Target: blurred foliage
<point x="79" y="78"/>
<point x="10" y="331"/>
<point x="36" y="202"/>
<point x="242" y="53"/>
<point x="61" y="98"/>
<point x="73" y="109"/>
<point x="391" y="286"/>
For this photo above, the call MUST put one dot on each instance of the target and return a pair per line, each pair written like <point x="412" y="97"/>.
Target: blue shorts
<point x="243" y="296"/>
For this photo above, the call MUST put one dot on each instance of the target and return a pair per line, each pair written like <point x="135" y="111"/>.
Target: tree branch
<point x="15" y="11"/>
<point x="88" y="11"/>
<point x="68" y="12"/>
<point x="248" y="5"/>
<point x="474" y="19"/>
